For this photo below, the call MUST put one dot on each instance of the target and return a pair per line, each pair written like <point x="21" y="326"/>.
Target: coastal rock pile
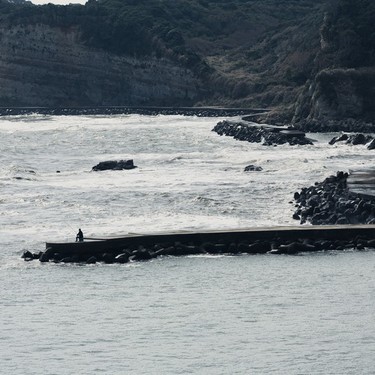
<point x="91" y="257"/>
<point x="330" y="202"/>
<point x="114" y="165"/>
<point x="354" y="139"/>
<point x="257" y="134"/>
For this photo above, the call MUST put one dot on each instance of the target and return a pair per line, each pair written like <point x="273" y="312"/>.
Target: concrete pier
<point x="333" y="232"/>
<point x="288" y="240"/>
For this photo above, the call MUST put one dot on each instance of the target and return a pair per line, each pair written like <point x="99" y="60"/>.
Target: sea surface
<point x="247" y="314"/>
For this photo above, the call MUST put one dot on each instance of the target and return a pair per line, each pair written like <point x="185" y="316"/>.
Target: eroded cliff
<point x="342" y="85"/>
<point x="51" y="66"/>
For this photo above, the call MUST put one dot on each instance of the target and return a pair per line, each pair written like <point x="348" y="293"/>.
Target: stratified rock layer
<point x="46" y="66"/>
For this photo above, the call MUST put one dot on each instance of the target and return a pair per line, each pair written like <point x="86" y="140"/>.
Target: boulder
<point x="108" y="258"/>
<point x="253" y="168"/>
<point x="140" y="254"/>
<point x="170" y="250"/>
<point x="27" y="256"/>
<point x="360" y="139"/>
<point x="340" y="138"/>
<point x="259" y="248"/>
<point x="91" y="260"/>
<point x="219" y="248"/>
<point x="114" y="165"/>
<point x="44" y="258"/>
<point x="122" y="258"/>
<point x="294" y="248"/>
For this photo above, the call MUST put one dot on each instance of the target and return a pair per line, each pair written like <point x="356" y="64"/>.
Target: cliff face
<point x="50" y="66"/>
<point x="338" y="94"/>
<point x="250" y="54"/>
<point x="343" y="81"/>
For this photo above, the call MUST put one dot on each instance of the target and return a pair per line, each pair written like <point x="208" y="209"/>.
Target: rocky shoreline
<point x="331" y="202"/>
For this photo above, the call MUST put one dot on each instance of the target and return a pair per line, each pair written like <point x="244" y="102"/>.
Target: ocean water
<point x="263" y="314"/>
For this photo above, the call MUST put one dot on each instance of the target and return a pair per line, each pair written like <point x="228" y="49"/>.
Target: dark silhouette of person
<point x="79" y="237"/>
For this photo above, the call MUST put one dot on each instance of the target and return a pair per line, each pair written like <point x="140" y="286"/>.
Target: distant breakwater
<point x="124" y="110"/>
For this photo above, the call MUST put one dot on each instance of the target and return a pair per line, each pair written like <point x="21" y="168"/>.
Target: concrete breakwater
<point x="275" y="240"/>
<point x="257" y="133"/>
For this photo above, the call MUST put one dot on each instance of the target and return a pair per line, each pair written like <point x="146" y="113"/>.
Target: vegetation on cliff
<point x="262" y="53"/>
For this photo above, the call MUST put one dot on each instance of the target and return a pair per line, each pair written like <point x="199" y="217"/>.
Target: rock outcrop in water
<point x="331" y="202"/>
<point x="268" y="136"/>
<point x="253" y="168"/>
<point x="114" y="165"/>
<point x="354" y="139"/>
